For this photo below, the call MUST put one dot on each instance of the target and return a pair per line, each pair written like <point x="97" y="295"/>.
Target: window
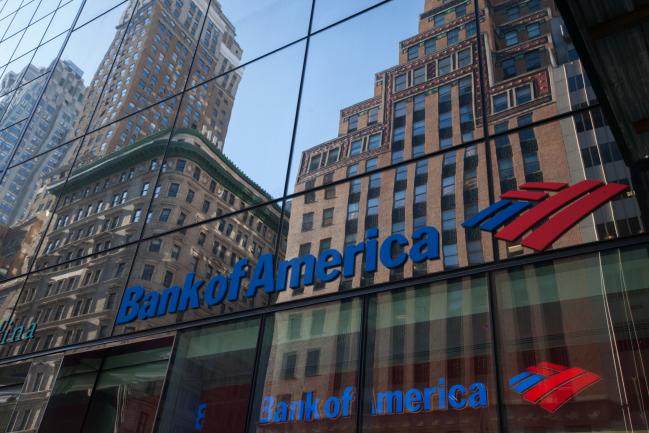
<point x="314" y="164"/>
<point x="575" y="82"/>
<point x="533" y="30"/>
<point x="164" y="215"/>
<point x="147" y="272"/>
<point x="419" y="75"/>
<point x="374" y="141"/>
<point x="309" y="197"/>
<point x="430" y="46"/>
<point x="180" y="165"/>
<point x="352" y="123"/>
<point x="307" y="221"/>
<point x="137" y="214"/>
<point x="509" y="68"/>
<point x="460" y="10"/>
<point x="453" y="36"/>
<point x="464" y="58"/>
<point x="155" y="245"/>
<point x="234" y="354"/>
<point x="356" y="148"/>
<point x="500" y="102"/>
<point x="312" y="363"/>
<point x="444" y="65"/>
<point x="513" y="13"/>
<point x="288" y="365"/>
<point x="532" y="60"/>
<point x="175" y="252"/>
<point x="332" y="156"/>
<point x="511" y="38"/>
<point x="400" y="82"/>
<point x="372" y="115"/>
<point x="181" y="218"/>
<point x="328" y="217"/>
<point x="173" y="190"/>
<point x="470" y="29"/>
<point x="168" y="279"/>
<point x="523" y="95"/>
<point x="413" y="52"/>
<point x="438" y="20"/>
<point x="145" y="189"/>
<point x="190" y="196"/>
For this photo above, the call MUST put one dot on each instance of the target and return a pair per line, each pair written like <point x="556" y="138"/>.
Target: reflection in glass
<point x="573" y="326"/>
<point x="430" y="360"/>
<point x="12" y="379"/>
<point x="115" y="390"/>
<point x="309" y="354"/>
<point x="212" y="369"/>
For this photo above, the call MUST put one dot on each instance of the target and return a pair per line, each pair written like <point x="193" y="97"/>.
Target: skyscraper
<point x="54" y="117"/>
<point x="149" y="60"/>
<point x="431" y="101"/>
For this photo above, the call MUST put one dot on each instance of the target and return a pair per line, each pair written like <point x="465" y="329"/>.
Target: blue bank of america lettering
<point x="140" y="304"/>
<point x="393" y="402"/>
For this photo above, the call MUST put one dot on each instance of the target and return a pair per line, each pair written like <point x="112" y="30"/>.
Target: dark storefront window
<point x="309" y="370"/>
<point x="430" y="360"/>
<point x="112" y="391"/>
<point x="210" y="380"/>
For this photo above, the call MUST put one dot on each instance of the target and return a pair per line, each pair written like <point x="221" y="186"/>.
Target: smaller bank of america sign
<point x="553" y="206"/>
<point x="550" y="385"/>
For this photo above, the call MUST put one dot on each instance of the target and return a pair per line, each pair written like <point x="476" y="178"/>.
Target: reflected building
<point x="149" y="60"/>
<point x="432" y="101"/>
<point x="55" y="116"/>
<point x="105" y="204"/>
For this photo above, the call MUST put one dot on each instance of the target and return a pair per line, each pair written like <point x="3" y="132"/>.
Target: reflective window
<point x="309" y="370"/>
<point x="430" y="360"/>
<point x="210" y="381"/>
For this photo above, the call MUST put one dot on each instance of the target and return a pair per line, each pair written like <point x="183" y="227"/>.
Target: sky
<point x="339" y="72"/>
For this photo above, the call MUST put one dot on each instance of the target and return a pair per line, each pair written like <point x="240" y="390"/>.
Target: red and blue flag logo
<point x="544" y="209"/>
<point x="551" y="385"/>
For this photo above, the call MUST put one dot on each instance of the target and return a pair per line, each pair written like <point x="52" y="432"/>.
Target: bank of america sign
<point x="540" y="212"/>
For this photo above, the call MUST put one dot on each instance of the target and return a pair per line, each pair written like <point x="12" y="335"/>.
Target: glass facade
<point x="294" y="216"/>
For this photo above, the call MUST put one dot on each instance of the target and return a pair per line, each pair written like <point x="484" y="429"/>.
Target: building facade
<point x="457" y="244"/>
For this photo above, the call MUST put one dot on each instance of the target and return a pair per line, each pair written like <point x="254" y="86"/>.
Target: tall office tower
<point x="431" y="101"/>
<point x="152" y="64"/>
<point x="54" y="117"/>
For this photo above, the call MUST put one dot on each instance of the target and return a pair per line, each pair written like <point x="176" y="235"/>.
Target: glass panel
<point x="207" y="164"/>
<point x="249" y="30"/>
<point x="430" y="360"/>
<point x="72" y="298"/>
<point x="309" y="370"/>
<point x="201" y="271"/>
<point x="328" y="12"/>
<point x="435" y="195"/>
<point x="99" y="199"/>
<point x="114" y="390"/>
<point x="9" y="293"/>
<point x="25" y="207"/>
<point x="397" y="89"/>
<point x="12" y="378"/>
<point x="211" y="379"/>
<point x="567" y="363"/>
<point x="38" y="383"/>
<point x="552" y="171"/>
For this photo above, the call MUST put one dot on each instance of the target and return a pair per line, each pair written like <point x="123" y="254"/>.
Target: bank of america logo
<point x="559" y="207"/>
<point x="551" y="385"/>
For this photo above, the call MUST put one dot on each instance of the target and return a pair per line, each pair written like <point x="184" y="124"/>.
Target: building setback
<point x="431" y="101"/>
